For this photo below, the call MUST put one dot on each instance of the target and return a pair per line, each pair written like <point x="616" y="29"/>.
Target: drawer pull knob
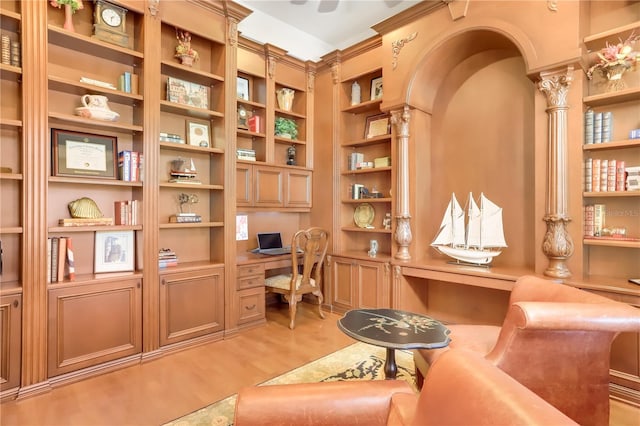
<point x="250" y="308"/>
<point x="16" y="303"/>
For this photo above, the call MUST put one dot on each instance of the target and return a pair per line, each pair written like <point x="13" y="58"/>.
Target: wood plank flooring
<point x="162" y="390"/>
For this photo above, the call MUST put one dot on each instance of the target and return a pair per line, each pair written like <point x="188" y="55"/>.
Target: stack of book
<point x="254" y="123"/>
<point x="171" y="137"/>
<point x="633" y="178"/>
<point x="246" y="154"/>
<point x="594" y="220"/>
<point x="356" y="191"/>
<point x="167" y="257"/>
<point x="382" y="162"/>
<point x="128" y="83"/>
<point x="598" y="126"/>
<point x="60" y="260"/>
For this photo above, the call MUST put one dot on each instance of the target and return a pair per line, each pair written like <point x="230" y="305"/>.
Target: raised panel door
<point x="268" y="187"/>
<point x="191" y="304"/>
<point x="93" y="324"/>
<point x="343" y="288"/>
<point x="244" y="185"/>
<point x="10" y="328"/>
<point x="298" y="189"/>
<point x="373" y="288"/>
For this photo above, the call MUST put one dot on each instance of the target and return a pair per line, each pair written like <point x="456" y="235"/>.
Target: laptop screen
<point x="269" y="240"/>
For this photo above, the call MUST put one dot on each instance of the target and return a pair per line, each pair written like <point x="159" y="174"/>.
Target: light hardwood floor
<point x="162" y="390"/>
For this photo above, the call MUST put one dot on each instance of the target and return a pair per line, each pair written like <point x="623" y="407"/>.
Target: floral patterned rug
<point x="359" y="361"/>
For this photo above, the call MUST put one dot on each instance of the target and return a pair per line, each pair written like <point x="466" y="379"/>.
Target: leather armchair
<point x="461" y="388"/>
<point x="555" y="340"/>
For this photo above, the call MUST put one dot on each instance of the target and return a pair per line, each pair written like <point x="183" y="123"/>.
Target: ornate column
<point x="400" y="120"/>
<point x="557" y="244"/>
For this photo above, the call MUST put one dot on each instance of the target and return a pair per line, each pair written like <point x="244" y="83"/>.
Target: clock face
<point x="111" y="17"/>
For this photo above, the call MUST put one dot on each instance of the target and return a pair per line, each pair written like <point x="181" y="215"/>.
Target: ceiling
<point x="309" y="29"/>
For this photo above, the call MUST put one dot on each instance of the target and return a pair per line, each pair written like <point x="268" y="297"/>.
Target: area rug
<point x="359" y="361"/>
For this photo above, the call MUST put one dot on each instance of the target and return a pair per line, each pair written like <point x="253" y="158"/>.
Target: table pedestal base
<point x="390" y="367"/>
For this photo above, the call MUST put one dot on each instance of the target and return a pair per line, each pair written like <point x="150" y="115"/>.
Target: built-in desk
<point x="252" y="269"/>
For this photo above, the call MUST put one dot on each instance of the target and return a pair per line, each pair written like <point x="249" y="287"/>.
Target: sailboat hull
<point x="474" y="256"/>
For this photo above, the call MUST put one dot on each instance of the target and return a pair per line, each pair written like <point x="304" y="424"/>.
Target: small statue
<point x="291" y="156"/>
<point x="386" y="222"/>
<point x="187" y="199"/>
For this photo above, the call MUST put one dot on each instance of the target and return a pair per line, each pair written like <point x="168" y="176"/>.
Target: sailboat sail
<point x="484" y="232"/>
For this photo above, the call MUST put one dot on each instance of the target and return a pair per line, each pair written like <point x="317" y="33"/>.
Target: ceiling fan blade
<point x="326" y="6"/>
<point x="392" y="3"/>
<point x="298" y="2"/>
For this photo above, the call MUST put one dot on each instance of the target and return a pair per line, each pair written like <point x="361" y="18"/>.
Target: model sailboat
<point x="480" y="241"/>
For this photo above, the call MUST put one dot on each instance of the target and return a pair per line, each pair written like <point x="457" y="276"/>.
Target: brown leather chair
<point x="306" y="277"/>
<point x="556" y="340"/>
<point x="461" y="388"/>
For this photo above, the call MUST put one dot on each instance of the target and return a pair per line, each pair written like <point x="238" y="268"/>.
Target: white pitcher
<point x="95" y="102"/>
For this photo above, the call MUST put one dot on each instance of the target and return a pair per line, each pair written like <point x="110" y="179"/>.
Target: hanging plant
<point x="286" y="128"/>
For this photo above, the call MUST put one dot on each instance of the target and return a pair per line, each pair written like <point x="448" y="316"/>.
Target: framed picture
<point x="243" y="88"/>
<point x="83" y="154"/>
<point x="187" y="93"/>
<point x="198" y="133"/>
<point x="376" y="88"/>
<point x="114" y="251"/>
<point x="377" y="125"/>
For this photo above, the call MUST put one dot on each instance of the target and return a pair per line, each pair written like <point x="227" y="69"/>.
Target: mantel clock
<point x="109" y="23"/>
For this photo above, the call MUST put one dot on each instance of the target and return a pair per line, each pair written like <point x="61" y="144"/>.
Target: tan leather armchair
<point x="461" y="388"/>
<point x="556" y="340"/>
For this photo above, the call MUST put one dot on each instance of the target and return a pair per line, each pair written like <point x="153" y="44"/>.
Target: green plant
<point x="184" y="45"/>
<point x="286" y="126"/>
<point x="75" y="4"/>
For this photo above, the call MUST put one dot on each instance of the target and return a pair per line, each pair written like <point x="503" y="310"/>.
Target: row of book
<point x="130" y="166"/>
<point x="60" y="260"/>
<point x="598" y="127"/>
<point x="10" y="51"/>
<point x="167" y="257"/>
<point x="246" y="154"/>
<point x="171" y="137"/>
<point x="126" y="212"/>
<point x="128" y="83"/>
<point x="609" y="175"/>
<point x="355" y="161"/>
<point x="595" y="224"/>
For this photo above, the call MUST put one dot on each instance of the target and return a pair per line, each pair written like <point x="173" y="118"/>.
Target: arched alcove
<point x="476" y="106"/>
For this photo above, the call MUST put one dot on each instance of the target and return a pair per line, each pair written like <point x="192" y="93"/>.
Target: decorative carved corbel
<point x="154" y="7"/>
<point x="552" y="5"/>
<point x="557" y="244"/>
<point x="311" y="81"/>
<point x="457" y="8"/>
<point x="233" y="32"/>
<point x="335" y="73"/>
<point x="397" y="45"/>
<point x="271" y="67"/>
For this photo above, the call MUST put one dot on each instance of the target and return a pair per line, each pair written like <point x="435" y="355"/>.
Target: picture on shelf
<point x="198" y="133"/>
<point x="83" y="154"/>
<point x="114" y="251"/>
<point x="376" y="88"/>
<point x="243" y="88"/>
<point x="377" y="125"/>
<point x="187" y="93"/>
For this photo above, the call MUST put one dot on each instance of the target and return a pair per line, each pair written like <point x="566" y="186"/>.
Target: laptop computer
<point x="271" y="243"/>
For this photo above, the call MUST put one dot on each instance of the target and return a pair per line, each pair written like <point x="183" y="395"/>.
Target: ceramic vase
<point x="614" y="75"/>
<point x="187" y="60"/>
<point x="68" y="18"/>
<point x="285" y="98"/>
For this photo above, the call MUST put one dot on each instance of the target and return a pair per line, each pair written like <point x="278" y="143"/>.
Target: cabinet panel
<point x="10" y="329"/>
<point x="343" y="287"/>
<point x="298" y="188"/>
<point x="92" y="324"/>
<point x="268" y="189"/>
<point x="373" y="290"/>
<point x="244" y="185"/>
<point x="191" y="304"/>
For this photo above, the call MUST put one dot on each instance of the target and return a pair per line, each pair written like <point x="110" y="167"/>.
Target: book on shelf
<point x="129" y="166"/>
<point x="595" y="175"/>
<point x="245" y="154"/>
<point x="75" y="221"/>
<point x="71" y="263"/>
<point x="53" y="265"/>
<point x="171" y="137"/>
<point x="187" y="93"/>
<point x="588" y="221"/>
<point x="633" y="178"/>
<point x="599" y="219"/>
<point x="126" y="212"/>
<point x="167" y="257"/>
<point x="98" y="83"/>
<point x="185" y="218"/>
<point x="588" y="175"/>
<point x="597" y="127"/>
<point x="354" y="159"/>
<point x="382" y="162"/>
<point x="254" y="123"/>
<point x="588" y="126"/>
<point x="356" y="191"/>
<point x="60" y="259"/>
<point x="49" y="254"/>
<point x="634" y="134"/>
<point x="607" y="126"/>
<point x="185" y="181"/>
<point x="620" y="175"/>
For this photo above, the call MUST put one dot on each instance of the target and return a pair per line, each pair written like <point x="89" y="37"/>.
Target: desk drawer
<point x="251" y="305"/>
<point x="251" y="282"/>
<point x="253" y="269"/>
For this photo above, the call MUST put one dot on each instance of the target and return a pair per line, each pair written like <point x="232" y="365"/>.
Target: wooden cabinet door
<point x="191" y="304"/>
<point x="343" y="288"/>
<point x="10" y="351"/>
<point x="93" y="324"/>
<point x="372" y="284"/>
<point x="297" y="189"/>
<point x="244" y="185"/>
<point x="268" y="187"/>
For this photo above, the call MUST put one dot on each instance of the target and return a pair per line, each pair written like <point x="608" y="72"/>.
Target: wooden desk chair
<point x="313" y="242"/>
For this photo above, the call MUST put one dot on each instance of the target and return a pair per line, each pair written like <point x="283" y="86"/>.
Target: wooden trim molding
<point x="400" y="120"/>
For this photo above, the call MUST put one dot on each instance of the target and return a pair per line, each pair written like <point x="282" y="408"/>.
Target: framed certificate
<point x="198" y="133"/>
<point x="83" y="154"/>
<point x="377" y="125"/>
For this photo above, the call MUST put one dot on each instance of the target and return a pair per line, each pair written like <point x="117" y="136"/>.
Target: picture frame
<point x="198" y="133"/>
<point x="377" y="125"/>
<point x="114" y="251"/>
<point x="80" y="154"/>
<point x="243" y="88"/>
<point x="376" y="88"/>
<point x="187" y="93"/>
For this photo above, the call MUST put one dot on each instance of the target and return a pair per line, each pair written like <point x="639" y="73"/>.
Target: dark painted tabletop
<point x="392" y="328"/>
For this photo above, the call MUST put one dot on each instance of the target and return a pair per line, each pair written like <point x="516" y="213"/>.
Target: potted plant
<point x="286" y="128"/>
<point x="70" y="7"/>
